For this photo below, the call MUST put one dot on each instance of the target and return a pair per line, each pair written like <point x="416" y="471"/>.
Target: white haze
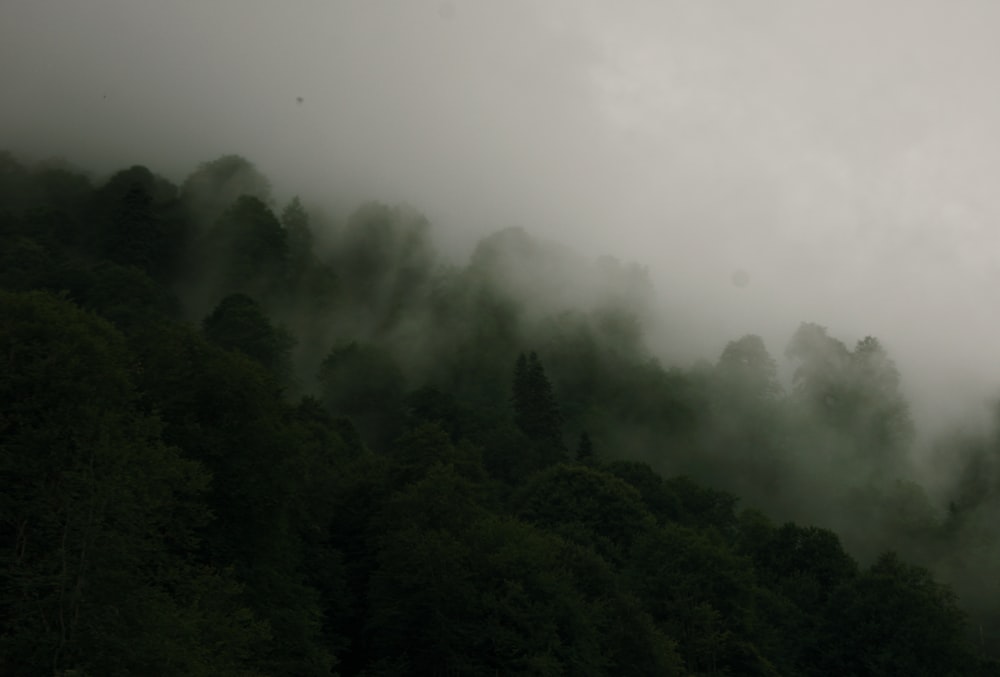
<point x="845" y="154"/>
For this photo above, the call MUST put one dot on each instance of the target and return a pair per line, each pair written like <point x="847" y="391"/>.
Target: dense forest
<point x="241" y="437"/>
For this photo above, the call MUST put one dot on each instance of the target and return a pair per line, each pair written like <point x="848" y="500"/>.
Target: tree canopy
<point x="233" y="445"/>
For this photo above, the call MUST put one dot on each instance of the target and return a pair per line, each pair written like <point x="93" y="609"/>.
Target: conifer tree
<point x="535" y="410"/>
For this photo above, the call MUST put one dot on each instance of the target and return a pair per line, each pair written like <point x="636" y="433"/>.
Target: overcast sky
<point x="844" y="153"/>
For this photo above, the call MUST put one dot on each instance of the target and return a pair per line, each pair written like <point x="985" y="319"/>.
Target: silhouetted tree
<point x="295" y="220"/>
<point x="535" y="410"/>
<point x="823" y="361"/>
<point x="142" y="226"/>
<point x="747" y="370"/>
<point x="881" y="413"/>
<point x="238" y="323"/>
<point x="216" y="185"/>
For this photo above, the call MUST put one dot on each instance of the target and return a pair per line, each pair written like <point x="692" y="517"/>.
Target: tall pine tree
<point x="535" y="410"/>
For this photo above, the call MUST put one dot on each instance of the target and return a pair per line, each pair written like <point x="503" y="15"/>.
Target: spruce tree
<point x="535" y="410"/>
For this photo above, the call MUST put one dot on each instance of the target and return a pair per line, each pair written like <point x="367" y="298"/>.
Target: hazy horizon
<point x="843" y="155"/>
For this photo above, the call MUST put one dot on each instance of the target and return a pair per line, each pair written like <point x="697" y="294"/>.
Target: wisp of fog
<point x="766" y="164"/>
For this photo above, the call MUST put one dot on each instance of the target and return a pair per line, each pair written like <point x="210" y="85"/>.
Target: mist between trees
<point x="250" y="437"/>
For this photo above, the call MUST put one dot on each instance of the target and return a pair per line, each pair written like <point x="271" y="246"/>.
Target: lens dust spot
<point x="741" y="279"/>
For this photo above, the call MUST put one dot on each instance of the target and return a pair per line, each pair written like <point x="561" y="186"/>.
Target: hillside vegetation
<point x="244" y="438"/>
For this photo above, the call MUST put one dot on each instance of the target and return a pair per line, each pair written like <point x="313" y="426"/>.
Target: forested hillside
<point x="243" y="437"/>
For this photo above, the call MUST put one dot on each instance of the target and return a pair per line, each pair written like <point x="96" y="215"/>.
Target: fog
<point x="844" y="156"/>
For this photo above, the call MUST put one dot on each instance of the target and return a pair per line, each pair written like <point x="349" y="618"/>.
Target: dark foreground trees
<point x="100" y="516"/>
<point x="170" y="505"/>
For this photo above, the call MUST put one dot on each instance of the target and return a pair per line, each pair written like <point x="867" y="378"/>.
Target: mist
<point x="843" y="157"/>
<point x="710" y="170"/>
<point x="764" y="166"/>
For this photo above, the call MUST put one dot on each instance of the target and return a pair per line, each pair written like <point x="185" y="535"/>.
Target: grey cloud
<point x="843" y="154"/>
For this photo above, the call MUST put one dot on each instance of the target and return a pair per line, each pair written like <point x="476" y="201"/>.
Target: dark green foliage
<point x="428" y="445"/>
<point x="61" y="209"/>
<point x="699" y="592"/>
<point x="522" y="393"/>
<point x="799" y="570"/>
<point x="97" y="513"/>
<point x="501" y="596"/>
<point x="126" y="296"/>
<point x="704" y="508"/>
<point x="295" y="220"/>
<point x="475" y="332"/>
<point x="238" y="323"/>
<point x="170" y="506"/>
<point x="535" y="410"/>
<point x="636" y="646"/>
<point x="508" y="455"/>
<point x="24" y="264"/>
<point x="142" y="223"/>
<point x="224" y="410"/>
<point x="660" y="500"/>
<point x="215" y="186"/>
<point x="251" y="245"/>
<point x="587" y="506"/>
<point x="807" y="563"/>
<point x="312" y="283"/>
<point x="540" y="616"/>
<point x="363" y="383"/>
<point x="431" y="405"/>
<point x="896" y="620"/>
<point x="15" y="189"/>
<point x="384" y="257"/>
